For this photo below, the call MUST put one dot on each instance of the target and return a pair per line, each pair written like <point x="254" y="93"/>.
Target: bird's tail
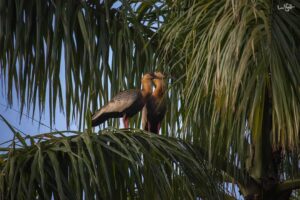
<point x="98" y="118"/>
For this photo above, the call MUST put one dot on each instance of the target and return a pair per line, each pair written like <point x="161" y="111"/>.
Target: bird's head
<point x="148" y="77"/>
<point x="147" y="83"/>
<point x="159" y="75"/>
<point x="158" y="78"/>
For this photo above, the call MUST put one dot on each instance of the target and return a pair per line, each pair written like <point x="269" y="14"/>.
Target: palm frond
<point x="240" y="66"/>
<point x="74" y="55"/>
<point x="114" y="164"/>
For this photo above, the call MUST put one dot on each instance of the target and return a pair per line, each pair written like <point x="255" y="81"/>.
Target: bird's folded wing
<point x="162" y="106"/>
<point x="119" y="103"/>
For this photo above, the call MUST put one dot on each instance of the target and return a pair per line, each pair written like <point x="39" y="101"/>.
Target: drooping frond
<point x="241" y="65"/>
<point x="74" y="54"/>
<point x="113" y="164"/>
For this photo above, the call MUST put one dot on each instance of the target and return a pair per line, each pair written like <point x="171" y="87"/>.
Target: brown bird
<point x="155" y="108"/>
<point x="125" y="104"/>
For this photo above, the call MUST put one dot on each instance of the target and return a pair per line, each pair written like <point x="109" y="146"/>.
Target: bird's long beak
<point x="150" y="76"/>
<point x="153" y="75"/>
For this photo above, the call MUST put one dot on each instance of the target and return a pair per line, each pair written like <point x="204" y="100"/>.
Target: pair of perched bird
<point x="127" y="103"/>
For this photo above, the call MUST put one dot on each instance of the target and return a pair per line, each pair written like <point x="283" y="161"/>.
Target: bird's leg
<point x="149" y="126"/>
<point x="126" y="121"/>
<point x="158" y="128"/>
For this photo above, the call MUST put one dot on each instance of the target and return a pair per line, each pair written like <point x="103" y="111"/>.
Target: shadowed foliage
<point x="114" y="164"/>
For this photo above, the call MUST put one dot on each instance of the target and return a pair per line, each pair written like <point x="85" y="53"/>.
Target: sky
<point x="31" y="126"/>
<point x="25" y="124"/>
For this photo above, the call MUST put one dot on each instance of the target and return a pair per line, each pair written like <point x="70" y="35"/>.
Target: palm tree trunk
<point x="266" y="162"/>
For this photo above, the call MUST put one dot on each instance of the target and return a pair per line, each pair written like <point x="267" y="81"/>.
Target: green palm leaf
<point x="240" y="66"/>
<point x="69" y="54"/>
<point x="114" y="164"/>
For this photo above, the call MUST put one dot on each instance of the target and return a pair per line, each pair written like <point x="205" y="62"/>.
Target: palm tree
<point x="234" y="103"/>
<point x="241" y="65"/>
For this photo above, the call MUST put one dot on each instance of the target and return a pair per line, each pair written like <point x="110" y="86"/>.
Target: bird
<point x="155" y="108"/>
<point x="126" y="103"/>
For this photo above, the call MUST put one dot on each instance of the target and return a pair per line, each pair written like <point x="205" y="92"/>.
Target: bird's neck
<point x="146" y="88"/>
<point x="159" y="89"/>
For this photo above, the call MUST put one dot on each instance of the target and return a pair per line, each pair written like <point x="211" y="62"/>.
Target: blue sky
<point x="25" y="124"/>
